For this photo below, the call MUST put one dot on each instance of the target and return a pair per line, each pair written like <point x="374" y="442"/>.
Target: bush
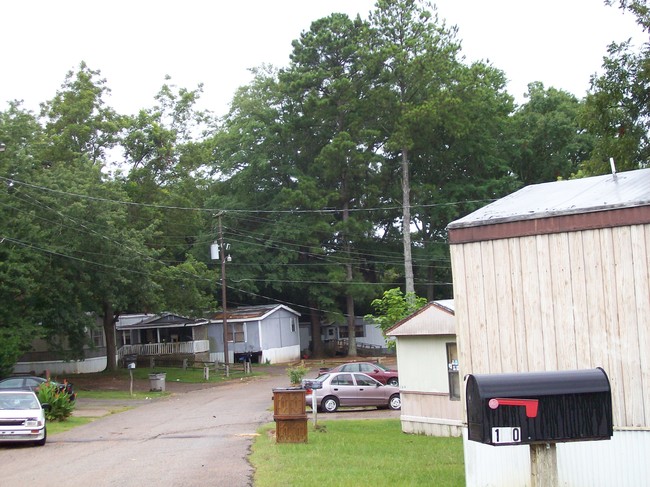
<point x="61" y="406"/>
<point x="297" y="373"/>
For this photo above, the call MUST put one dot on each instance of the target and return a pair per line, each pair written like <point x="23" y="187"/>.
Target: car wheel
<point x="395" y="402"/>
<point x="330" y="404"/>
<point x="41" y="442"/>
<point x="393" y="381"/>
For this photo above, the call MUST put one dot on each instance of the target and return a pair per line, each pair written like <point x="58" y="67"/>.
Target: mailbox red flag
<point x="529" y="404"/>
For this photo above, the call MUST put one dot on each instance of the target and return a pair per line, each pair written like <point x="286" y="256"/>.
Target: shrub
<point x="61" y="406"/>
<point x="297" y="373"/>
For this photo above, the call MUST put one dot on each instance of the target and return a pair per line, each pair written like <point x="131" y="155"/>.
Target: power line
<point x="254" y="238"/>
<point x="235" y="210"/>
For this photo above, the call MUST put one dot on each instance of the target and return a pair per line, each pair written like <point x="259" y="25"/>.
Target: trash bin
<point x="290" y="415"/>
<point x="157" y="382"/>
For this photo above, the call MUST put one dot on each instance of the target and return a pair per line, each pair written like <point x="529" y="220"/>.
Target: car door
<point x="343" y="386"/>
<point x="369" y="391"/>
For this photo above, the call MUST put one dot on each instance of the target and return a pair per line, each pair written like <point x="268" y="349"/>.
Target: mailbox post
<point x="313" y="385"/>
<point x="539" y="409"/>
<point x="130" y="362"/>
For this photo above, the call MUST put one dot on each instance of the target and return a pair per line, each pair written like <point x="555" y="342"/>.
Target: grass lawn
<point x="358" y="453"/>
<point x="54" y="427"/>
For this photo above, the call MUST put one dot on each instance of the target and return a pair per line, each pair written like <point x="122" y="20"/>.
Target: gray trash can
<point x="157" y="381"/>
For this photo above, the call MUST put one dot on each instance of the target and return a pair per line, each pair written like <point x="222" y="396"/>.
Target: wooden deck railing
<point x="153" y="349"/>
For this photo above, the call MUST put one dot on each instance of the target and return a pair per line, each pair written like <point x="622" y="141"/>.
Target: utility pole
<point x="218" y="251"/>
<point x="222" y="255"/>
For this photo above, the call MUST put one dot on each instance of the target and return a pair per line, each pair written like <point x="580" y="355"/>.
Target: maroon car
<point x="374" y="370"/>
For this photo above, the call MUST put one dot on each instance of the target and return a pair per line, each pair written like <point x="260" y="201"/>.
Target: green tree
<point x="19" y="263"/>
<point x="277" y="252"/>
<point x="97" y="262"/>
<point x="444" y="125"/>
<point x="548" y="142"/>
<point x="617" y="109"/>
<point x="394" y="306"/>
<point x="187" y="288"/>
<point x="78" y="122"/>
<point x="328" y="107"/>
<point x="416" y="57"/>
<point x="77" y="242"/>
<point x="165" y="159"/>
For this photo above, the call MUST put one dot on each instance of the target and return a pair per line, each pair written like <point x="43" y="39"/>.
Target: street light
<point x="2" y="147"/>
<point x="218" y="249"/>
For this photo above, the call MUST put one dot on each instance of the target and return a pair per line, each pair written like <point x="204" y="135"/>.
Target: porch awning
<point x="162" y="321"/>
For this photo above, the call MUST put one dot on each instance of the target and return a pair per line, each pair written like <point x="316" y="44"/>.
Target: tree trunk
<point x="406" y="225"/>
<point x="352" y="336"/>
<point x="316" y="339"/>
<point x="109" y="320"/>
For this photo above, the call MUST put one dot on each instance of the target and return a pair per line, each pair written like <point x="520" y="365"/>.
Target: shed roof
<point x="595" y="202"/>
<point x="436" y="318"/>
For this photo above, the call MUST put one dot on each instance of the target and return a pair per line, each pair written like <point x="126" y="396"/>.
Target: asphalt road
<point x="198" y="438"/>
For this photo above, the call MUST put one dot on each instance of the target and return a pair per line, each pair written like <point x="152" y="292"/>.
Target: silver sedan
<point x="343" y="389"/>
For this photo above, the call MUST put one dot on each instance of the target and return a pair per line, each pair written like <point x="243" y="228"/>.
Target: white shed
<point x="556" y="276"/>
<point x="427" y="360"/>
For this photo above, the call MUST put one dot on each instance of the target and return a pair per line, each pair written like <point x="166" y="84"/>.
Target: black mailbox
<point x="539" y="407"/>
<point x="312" y="384"/>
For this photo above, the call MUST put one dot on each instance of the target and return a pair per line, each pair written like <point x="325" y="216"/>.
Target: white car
<point x="22" y="418"/>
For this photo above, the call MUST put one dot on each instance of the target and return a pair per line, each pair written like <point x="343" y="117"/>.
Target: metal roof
<point x="244" y="313"/>
<point x="613" y="191"/>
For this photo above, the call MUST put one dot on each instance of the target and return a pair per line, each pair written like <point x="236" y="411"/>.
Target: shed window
<point x="452" y="371"/>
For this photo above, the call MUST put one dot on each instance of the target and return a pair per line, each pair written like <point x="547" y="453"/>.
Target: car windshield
<point x="379" y="366"/>
<point x="18" y="401"/>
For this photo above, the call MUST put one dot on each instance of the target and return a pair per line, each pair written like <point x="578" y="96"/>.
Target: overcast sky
<point x="135" y="43"/>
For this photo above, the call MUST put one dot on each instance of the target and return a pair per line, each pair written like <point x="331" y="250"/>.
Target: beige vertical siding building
<point x="556" y="276"/>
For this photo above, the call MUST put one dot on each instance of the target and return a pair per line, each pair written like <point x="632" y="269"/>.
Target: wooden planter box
<point x="290" y="415"/>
